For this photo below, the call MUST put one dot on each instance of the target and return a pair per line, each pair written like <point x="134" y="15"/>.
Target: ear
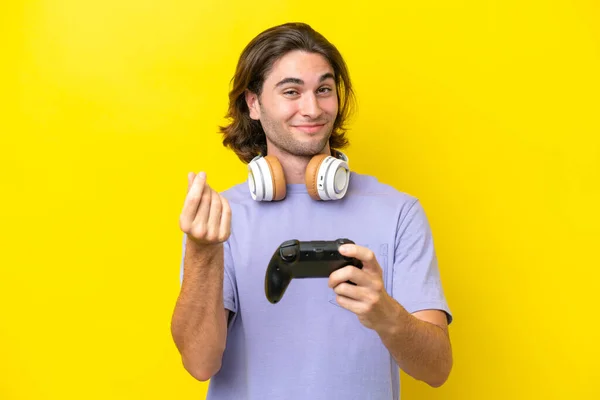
<point x="253" y="104"/>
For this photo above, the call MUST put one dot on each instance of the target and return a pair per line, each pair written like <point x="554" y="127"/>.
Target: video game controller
<point x="304" y="259"/>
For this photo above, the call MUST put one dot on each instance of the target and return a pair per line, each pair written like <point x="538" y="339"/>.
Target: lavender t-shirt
<point x="307" y="346"/>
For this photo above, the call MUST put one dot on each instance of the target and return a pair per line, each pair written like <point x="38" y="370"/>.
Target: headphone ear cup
<point x="264" y="179"/>
<point x="311" y="175"/>
<point x="277" y="177"/>
<point x="327" y="177"/>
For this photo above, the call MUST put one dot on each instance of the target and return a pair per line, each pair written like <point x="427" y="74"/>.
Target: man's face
<point x="298" y="104"/>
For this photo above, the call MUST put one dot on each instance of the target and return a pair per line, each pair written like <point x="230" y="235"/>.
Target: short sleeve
<point x="416" y="276"/>
<point x="229" y="283"/>
<point x="229" y="297"/>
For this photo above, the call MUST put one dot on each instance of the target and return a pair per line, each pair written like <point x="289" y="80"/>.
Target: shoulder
<point x="238" y="193"/>
<point x="364" y="185"/>
<point x="403" y="209"/>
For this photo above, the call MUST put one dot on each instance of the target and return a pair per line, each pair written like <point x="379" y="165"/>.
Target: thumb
<point x="364" y="254"/>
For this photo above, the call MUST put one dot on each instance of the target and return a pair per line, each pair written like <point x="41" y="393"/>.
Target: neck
<point x="294" y="166"/>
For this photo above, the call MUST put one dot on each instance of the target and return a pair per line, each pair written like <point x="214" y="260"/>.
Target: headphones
<point x="326" y="177"/>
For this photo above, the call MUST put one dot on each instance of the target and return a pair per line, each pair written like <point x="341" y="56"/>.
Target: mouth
<point x="309" y="128"/>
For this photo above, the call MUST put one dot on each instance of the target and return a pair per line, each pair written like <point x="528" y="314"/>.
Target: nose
<point x="309" y="106"/>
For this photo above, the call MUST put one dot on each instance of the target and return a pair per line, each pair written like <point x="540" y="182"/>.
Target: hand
<point x="206" y="214"/>
<point x="368" y="298"/>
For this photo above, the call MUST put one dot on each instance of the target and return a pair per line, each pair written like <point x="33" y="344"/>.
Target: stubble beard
<point x="281" y="138"/>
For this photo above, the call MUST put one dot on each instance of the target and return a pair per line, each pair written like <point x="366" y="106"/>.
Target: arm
<point x="199" y="321"/>
<point x="418" y="342"/>
<point x="424" y="313"/>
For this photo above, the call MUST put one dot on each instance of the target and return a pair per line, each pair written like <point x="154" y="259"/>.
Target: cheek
<point x="286" y="110"/>
<point x="330" y="105"/>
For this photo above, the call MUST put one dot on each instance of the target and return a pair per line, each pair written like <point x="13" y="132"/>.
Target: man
<point x="326" y="338"/>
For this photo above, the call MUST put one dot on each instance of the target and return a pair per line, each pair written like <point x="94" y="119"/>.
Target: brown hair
<point x="244" y="135"/>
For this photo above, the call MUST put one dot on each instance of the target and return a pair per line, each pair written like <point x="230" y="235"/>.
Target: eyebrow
<point x="298" y="81"/>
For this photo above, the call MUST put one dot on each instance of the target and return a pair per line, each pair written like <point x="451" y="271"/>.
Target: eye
<point x="290" y="92"/>
<point x="324" y="89"/>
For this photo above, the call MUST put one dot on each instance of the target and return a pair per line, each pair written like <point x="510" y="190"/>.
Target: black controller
<point x="295" y="259"/>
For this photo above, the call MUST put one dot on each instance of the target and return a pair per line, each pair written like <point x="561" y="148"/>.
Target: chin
<point x="301" y="144"/>
<point x="309" y="150"/>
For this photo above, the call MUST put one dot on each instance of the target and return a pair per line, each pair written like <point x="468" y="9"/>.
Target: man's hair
<point x="246" y="136"/>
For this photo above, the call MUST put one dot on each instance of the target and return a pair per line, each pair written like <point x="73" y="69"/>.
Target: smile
<point x="309" y="128"/>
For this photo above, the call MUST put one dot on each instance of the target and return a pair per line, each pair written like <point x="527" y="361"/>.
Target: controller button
<point x="289" y="243"/>
<point x="319" y="253"/>
<point x="289" y="252"/>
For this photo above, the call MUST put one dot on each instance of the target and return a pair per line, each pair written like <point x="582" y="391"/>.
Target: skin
<point x="298" y="92"/>
<point x="309" y="98"/>
<point x="199" y="320"/>
<point x="419" y="342"/>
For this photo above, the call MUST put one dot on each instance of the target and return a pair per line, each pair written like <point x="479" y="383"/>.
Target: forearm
<point x="420" y="348"/>
<point x="199" y="325"/>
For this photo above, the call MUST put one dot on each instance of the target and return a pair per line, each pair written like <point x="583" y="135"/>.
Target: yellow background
<point x="488" y="111"/>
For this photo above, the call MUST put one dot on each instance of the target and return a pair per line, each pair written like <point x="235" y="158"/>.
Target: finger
<point x="214" y="216"/>
<point x="348" y="273"/>
<point x="359" y="293"/>
<point x="190" y="177"/>
<point x="364" y="254"/>
<point x="192" y="201"/>
<point x="225" y="227"/>
<point x="201" y="219"/>
<point x="357" y="307"/>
